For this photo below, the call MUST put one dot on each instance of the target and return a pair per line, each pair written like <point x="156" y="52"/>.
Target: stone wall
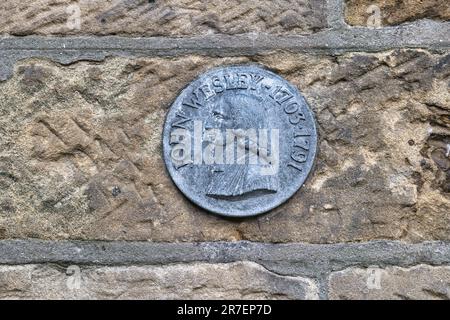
<point x="87" y="209"/>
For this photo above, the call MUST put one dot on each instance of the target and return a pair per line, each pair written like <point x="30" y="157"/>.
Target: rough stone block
<point x="393" y="12"/>
<point x="160" y="18"/>
<point x="241" y="280"/>
<point x="80" y="151"/>
<point x="422" y="282"/>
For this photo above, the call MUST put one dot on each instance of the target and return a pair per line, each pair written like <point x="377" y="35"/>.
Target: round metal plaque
<point x="239" y="141"/>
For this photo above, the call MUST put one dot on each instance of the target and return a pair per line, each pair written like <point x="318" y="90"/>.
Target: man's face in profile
<point x="222" y="116"/>
<point x="244" y="115"/>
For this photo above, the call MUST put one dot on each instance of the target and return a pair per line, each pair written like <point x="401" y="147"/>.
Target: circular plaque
<point x="239" y="140"/>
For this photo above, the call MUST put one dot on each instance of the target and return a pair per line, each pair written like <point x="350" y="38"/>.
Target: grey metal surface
<point x="263" y="120"/>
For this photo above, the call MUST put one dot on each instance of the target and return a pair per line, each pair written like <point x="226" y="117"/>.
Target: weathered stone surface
<point x="160" y="18"/>
<point x="422" y="282"/>
<point x="241" y="280"/>
<point x="393" y="12"/>
<point x="81" y="151"/>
